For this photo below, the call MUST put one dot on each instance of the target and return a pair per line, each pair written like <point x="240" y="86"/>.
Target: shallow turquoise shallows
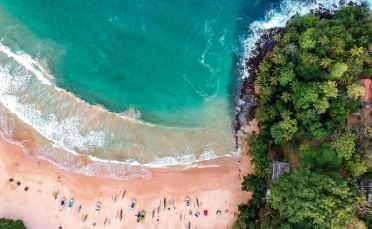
<point x="165" y="59"/>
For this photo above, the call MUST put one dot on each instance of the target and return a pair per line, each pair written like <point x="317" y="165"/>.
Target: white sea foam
<point x="102" y="168"/>
<point x="27" y="62"/>
<point x="123" y="170"/>
<point x="74" y="126"/>
<point x="187" y="160"/>
<point x="5" y="123"/>
<point x="64" y="134"/>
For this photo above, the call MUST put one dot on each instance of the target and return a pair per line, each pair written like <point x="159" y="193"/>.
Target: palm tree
<point x="273" y="81"/>
<point x="285" y="97"/>
<point x="356" y="52"/>
<point x="326" y="62"/>
<point x="323" y="40"/>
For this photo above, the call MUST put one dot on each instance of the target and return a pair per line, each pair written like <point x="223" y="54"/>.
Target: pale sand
<point x="217" y="188"/>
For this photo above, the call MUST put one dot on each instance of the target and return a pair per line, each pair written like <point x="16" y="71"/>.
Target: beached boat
<point x="132" y="205"/>
<point x="141" y="216"/>
<point x="187" y="201"/>
<point x="70" y="203"/>
<point x="98" y="207"/>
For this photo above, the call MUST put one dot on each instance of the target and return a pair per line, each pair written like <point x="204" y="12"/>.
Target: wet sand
<point x="213" y="189"/>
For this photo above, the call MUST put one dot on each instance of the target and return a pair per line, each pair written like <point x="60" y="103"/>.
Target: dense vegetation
<point x="307" y="87"/>
<point x="11" y="224"/>
<point x="317" y="201"/>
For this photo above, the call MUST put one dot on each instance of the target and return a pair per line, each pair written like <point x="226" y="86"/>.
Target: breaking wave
<point x="107" y="139"/>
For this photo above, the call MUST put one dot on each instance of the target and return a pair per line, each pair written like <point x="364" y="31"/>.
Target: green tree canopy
<point x="284" y="130"/>
<point x="307" y="87"/>
<point x="319" y="157"/>
<point x="306" y="199"/>
<point x="344" y="145"/>
<point x="312" y="73"/>
<point x="259" y="153"/>
<point x="338" y="70"/>
<point x="354" y="91"/>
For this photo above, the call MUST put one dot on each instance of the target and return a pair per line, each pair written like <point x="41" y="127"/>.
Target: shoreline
<point x="37" y="145"/>
<point x="247" y="99"/>
<point x="38" y="209"/>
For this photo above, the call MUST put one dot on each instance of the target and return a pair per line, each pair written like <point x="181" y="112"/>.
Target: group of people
<point x="164" y="204"/>
<point x="11" y="180"/>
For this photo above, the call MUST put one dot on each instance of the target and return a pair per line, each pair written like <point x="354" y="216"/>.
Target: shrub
<point x="11" y="224"/>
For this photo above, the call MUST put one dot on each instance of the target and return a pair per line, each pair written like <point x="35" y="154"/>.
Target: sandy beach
<point x="32" y="190"/>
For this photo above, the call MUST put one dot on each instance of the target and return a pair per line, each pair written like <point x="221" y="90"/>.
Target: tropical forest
<point x="312" y="117"/>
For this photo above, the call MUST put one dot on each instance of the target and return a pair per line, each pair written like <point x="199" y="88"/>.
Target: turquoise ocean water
<point x="129" y="82"/>
<point x="165" y="58"/>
